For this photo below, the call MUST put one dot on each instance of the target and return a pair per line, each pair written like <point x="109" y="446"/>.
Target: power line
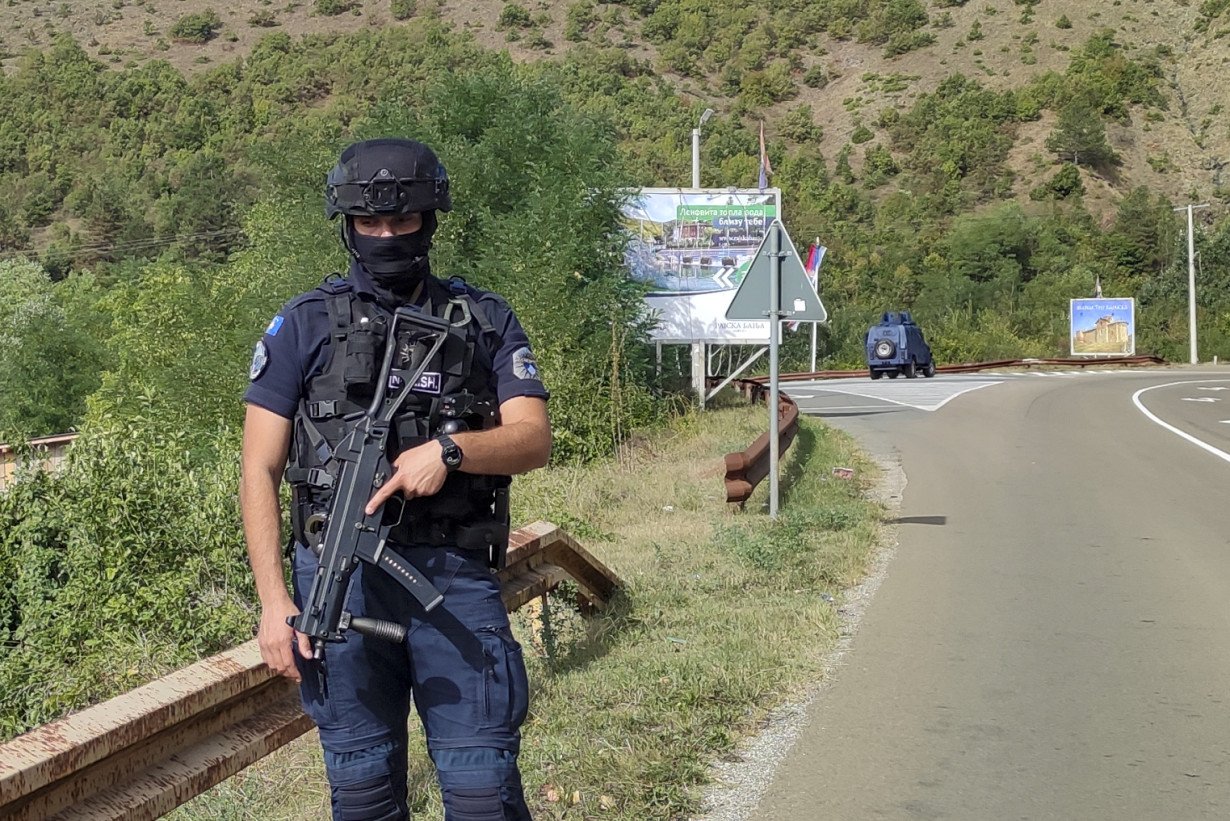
<point x="124" y="245"/>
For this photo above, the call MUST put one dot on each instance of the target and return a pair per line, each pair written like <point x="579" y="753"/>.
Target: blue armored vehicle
<point x="895" y="346"/>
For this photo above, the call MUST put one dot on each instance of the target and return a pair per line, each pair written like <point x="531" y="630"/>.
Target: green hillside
<point x="977" y="163"/>
<point x="846" y="59"/>
<point x="896" y="127"/>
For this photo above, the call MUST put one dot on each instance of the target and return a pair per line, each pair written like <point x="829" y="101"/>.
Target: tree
<point x="196" y="28"/>
<point x="1142" y="239"/>
<point x="51" y="361"/>
<point x="1080" y="136"/>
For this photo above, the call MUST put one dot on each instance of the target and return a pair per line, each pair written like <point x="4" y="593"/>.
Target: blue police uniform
<point x="460" y="662"/>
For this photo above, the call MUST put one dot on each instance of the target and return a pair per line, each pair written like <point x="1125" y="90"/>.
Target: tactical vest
<point x="454" y="393"/>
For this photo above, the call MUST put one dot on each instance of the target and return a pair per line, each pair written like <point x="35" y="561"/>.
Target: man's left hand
<point x="418" y="471"/>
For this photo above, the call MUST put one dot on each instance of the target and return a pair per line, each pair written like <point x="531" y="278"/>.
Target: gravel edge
<point x="738" y="784"/>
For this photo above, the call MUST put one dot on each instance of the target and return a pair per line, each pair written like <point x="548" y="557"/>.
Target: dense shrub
<point x="53" y="353"/>
<point x="330" y="8"/>
<point x="403" y="9"/>
<point x="513" y="16"/>
<point x="196" y="28"/>
<point x="122" y="566"/>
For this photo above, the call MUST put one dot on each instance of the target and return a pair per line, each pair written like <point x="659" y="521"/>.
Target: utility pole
<point x="1191" y="276"/>
<point x="696" y="147"/>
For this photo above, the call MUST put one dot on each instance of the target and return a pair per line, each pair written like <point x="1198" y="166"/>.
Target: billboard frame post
<point x="699" y="371"/>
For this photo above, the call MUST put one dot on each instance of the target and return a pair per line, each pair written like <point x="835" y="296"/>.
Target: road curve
<point x="1052" y="638"/>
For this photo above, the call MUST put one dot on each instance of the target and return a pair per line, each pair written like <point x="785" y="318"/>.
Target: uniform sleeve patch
<point x="525" y="366"/>
<point x="275" y="325"/>
<point x="260" y="360"/>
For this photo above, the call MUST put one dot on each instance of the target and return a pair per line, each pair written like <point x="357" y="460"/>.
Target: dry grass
<point x="723" y="615"/>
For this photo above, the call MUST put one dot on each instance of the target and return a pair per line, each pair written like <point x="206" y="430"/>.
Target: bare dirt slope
<point x="1182" y="152"/>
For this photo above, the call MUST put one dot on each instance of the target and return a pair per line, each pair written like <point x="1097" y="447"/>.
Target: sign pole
<point x="814" y="324"/>
<point x="775" y="288"/>
<point x="778" y="269"/>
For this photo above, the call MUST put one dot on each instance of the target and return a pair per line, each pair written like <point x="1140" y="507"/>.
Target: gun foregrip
<point x="379" y="629"/>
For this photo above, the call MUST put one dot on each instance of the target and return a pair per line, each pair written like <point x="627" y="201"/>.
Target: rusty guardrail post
<point x="747" y="468"/>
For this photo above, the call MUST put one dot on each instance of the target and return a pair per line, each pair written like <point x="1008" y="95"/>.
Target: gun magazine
<point x="405" y="573"/>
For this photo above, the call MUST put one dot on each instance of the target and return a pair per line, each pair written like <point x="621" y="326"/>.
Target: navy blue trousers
<point x="461" y="666"/>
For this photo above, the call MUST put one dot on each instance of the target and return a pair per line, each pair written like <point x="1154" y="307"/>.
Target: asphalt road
<point x="1052" y="638"/>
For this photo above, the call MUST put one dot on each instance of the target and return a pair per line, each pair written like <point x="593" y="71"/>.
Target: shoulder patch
<point x="525" y="366"/>
<point x="260" y="360"/>
<point x="275" y="325"/>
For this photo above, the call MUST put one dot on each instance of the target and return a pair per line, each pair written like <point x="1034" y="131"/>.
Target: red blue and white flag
<point x="766" y="169"/>
<point x="815" y="256"/>
<point x="811" y="267"/>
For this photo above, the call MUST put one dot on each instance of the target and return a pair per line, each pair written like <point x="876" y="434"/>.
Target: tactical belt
<point x="479" y="536"/>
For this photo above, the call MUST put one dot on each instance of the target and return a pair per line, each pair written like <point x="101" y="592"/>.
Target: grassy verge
<point x="724" y="615"/>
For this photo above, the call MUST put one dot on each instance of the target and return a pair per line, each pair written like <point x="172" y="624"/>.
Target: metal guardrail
<point x="974" y="367"/>
<point x="141" y="754"/>
<point x="747" y="468"/>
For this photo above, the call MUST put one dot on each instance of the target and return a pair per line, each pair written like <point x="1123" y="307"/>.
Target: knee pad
<point x="480" y="784"/>
<point x="368" y="784"/>
<point x="473" y="804"/>
<point x="371" y="800"/>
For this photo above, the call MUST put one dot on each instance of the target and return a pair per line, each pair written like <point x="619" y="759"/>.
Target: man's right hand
<point x="278" y="639"/>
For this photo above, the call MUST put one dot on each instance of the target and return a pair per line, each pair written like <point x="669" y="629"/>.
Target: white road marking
<point x="1220" y="454"/>
<point x="1201" y="399"/>
<point x="1220" y="388"/>
<point x="810" y="409"/>
<point x="926" y="396"/>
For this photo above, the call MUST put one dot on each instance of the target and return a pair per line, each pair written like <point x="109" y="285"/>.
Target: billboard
<point x="1103" y="327"/>
<point x="693" y="248"/>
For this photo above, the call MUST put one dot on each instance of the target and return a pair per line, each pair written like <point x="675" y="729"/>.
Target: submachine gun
<point x="346" y="535"/>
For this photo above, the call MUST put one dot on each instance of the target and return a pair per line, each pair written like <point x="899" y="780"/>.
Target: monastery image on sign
<point x="1103" y="327"/>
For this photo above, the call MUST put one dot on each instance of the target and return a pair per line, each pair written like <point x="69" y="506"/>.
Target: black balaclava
<point x="396" y="264"/>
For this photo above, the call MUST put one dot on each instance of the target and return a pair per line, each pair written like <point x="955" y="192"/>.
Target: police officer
<point x="318" y="362"/>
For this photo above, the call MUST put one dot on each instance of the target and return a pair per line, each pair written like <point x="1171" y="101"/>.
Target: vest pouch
<point x="364" y="351"/>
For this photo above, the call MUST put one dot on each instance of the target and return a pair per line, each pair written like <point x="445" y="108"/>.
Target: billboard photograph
<point x="693" y="248"/>
<point x="1103" y="327"/>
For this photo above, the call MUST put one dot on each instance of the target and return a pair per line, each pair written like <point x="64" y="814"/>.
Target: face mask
<point x="390" y="259"/>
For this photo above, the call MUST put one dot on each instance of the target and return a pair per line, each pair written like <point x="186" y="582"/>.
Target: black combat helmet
<point x="385" y="177"/>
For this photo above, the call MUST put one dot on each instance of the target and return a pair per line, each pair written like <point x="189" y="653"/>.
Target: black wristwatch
<point x="450" y="454"/>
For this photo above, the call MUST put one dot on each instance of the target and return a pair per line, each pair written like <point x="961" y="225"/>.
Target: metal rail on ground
<point x="141" y="754"/>
<point x="974" y="367"/>
<point x="745" y="469"/>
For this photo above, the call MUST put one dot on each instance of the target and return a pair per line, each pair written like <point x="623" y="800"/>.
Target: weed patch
<point x="723" y="614"/>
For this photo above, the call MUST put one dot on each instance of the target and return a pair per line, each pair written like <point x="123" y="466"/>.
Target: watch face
<point x="451" y="454"/>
